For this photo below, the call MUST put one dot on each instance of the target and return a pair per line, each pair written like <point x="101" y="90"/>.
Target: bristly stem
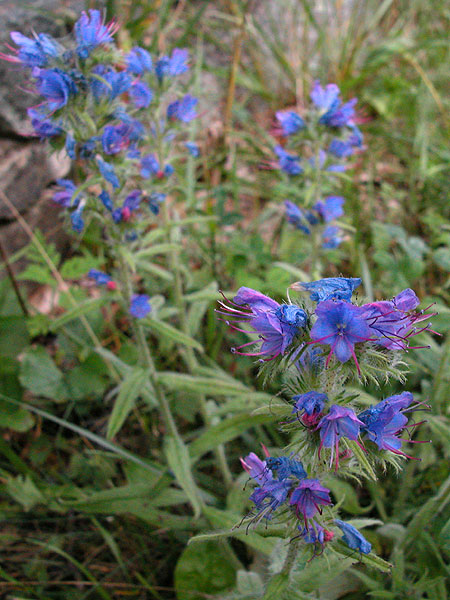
<point x="145" y="354"/>
<point x="290" y="556"/>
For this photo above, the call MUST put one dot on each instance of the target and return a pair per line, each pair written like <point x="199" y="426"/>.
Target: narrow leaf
<point x="129" y="391"/>
<point x="179" y="461"/>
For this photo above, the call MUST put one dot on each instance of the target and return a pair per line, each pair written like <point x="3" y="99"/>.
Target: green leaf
<point x="40" y="375"/>
<point x="424" y="515"/>
<point x="23" y="490"/>
<point x="179" y="462"/>
<point x="277" y="585"/>
<point x="362" y="459"/>
<point x="171" y="333"/>
<point x="225" y="431"/>
<point x="78" y="266"/>
<point x="345" y="494"/>
<point x="249" y="585"/>
<point x="371" y="560"/>
<point x="203" y="569"/>
<point x="78" y="311"/>
<point x="156" y="249"/>
<point x="129" y="391"/>
<point x="201" y="385"/>
<point x="96" y="439"/>
<point x="37" y="273"/>
<point x="228" y="524"/>
<point x="14" y="336"/>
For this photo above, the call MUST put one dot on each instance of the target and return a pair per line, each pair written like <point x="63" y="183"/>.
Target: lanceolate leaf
<point x="168" y="331"/>
<point x="129" y="392"/>
<point x="179" y="462"/>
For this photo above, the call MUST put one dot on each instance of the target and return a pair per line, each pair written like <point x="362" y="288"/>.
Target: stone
<point x="46" y="16"/>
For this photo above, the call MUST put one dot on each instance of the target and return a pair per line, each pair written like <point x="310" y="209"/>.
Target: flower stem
<point x="290" y="556"/>
<point x="188" y="353"/>
<point x="144" y="351"/>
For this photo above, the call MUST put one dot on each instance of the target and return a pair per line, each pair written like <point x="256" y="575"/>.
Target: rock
<point x="25" y="170"/>
<point x="46" y="16"/>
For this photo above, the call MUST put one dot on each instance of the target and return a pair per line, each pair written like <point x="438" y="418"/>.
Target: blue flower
<point x="108" y="172"/>
<point x="308" y="496"/>
<point x="192" y="148"/>
<point x="91" y="31"/>
<point x="330" y="208"/>
<point x="330" y="288"/>
<point x="133" y="200"/>
<point x="298" y="218"/>
<point x="150" y="167"/>
<point x="331" y="238"/>
<point x="385" y="421"/>
<point x="141" y="94"/>
<point x="340" y="148"/>
<point x="311" y="402"/>
<point x="175" y="65"/>
<point x="114" y="84"/>
<point x="42" y="125"/>
<point x="340" y="325"/>
<point x="315" y="533"/>
<point x="65" y="196"/>
<point x="117" y="215"/>
<point x="270" y="496"/>
<point x="356" y="138"/>
<point x="257" y="468"/>
<point x="286" y="467"/>
<point x="140" y="306"/>
<point x="325" y="99"/>
<point x="77" y="220"/>
<point x="99" y="277"/>
<point x="392" y="322"/>
<point x="154" y="200"/>
<point x="138" y="61"/>
<point x="70" y="146"/>
<point x="340" y="421"/>
<point x="113" y="140"/>
<point x="339" y="117"/>
<point x="290" y="122"/>
<point x="353" y="538"/>
<point x="183" y="110"/>
<point x="277" y="325"/>
<point x="289" y="163"/>
<point x="87" y="149"/>
<point x="33" y="52"/>
<point x="106" y="200"/>
<point x="55" y="85"/>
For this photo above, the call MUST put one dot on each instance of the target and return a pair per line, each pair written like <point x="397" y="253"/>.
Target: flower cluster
<point x="311" y="342"/>
<point x="316" y="147"/>
<point x="117" y="114"/>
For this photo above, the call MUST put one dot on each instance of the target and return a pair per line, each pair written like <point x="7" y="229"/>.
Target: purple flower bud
<point x="330" y="288"/>
<point x="310" y="402"/>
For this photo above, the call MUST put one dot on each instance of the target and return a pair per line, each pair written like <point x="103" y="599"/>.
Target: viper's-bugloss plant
<point x="320" y="345"/>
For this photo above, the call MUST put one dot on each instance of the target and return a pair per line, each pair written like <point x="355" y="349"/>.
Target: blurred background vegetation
<point x="86" y="517"/>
